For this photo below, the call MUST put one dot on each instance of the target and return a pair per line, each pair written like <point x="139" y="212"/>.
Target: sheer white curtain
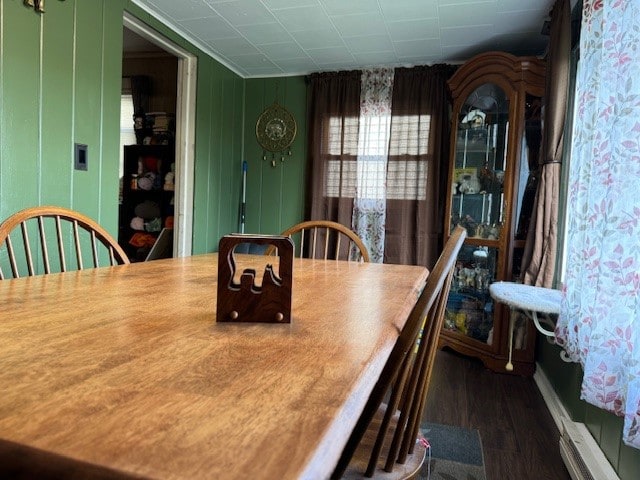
<point x="599" y="324"/>
<point x="369" y="204"/>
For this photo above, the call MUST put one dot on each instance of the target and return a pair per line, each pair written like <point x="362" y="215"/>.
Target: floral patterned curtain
<point x="599" y="324"/>
<point x="369" y="204"/>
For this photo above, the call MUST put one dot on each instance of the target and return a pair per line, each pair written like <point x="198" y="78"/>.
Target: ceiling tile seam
<point x="439" y="21"/>
<point x="386" y="29"/>
<point x="233" y="27"/>
<point x="186" y="35"/>
<point x="344" y="44"/>
<point x="277" y="21"/>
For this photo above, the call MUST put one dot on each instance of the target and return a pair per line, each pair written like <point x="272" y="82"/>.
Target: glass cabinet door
<point x="480" y="161"/>
<point x="470" y="307"/>
<point x="480" y="167"/>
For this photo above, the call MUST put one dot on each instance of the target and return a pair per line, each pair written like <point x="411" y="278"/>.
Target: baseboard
<point x="581" y="454"/>
<point x="555" y="406"/>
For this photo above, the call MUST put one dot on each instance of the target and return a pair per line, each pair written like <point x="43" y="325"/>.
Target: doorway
<point x="177" y="187"/>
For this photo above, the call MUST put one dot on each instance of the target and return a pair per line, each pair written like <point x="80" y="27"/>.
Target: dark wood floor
<point x="519" y="437"/>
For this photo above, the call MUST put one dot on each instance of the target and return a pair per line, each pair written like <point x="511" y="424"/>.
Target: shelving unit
<point x="147" y="200"/>
<point x="494" y="149"/>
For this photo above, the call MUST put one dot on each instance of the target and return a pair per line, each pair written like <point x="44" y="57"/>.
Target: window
<point x="369" y="173"/>
<point x="127" y="134"/>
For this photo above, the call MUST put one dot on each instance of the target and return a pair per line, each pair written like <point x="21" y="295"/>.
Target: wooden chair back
<point x="38" y="231"/>
<point x="404" y="383"/>
<point x="324" y="239"/>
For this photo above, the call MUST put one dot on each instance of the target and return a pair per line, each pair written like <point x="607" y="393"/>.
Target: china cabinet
<point x="495" y="142"/>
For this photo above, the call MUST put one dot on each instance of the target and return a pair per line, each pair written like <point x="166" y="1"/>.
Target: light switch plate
<point x="81" y="157"/>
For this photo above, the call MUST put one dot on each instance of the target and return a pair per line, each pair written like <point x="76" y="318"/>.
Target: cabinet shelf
<point x="481" y="241"/>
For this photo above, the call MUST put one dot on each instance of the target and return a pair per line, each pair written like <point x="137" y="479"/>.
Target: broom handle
<point x="244" y="195"/>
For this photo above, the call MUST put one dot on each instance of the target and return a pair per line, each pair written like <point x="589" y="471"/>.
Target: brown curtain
<point x="140" y="93"/>
<point x="418" y="163"/>
<point x="539" y="257"/>
<point x="334" y="107"/>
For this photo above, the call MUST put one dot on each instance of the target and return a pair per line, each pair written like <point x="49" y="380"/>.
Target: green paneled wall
<point x="59" y="71"/>
<point x="605" y="427"/>
<point x="219" y="137"/>
<point x="60" y="83"/>
<point x="275" y="195"/>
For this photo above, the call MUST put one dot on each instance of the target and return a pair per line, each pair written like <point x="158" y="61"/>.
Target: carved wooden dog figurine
<point x="245" y="301"/>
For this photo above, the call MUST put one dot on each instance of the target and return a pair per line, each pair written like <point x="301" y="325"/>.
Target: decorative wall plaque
<point x="38" y="5"/>
<point x="275" y="130"/>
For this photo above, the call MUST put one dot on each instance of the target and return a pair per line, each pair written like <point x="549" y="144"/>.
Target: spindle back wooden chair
<point x="386" y="441"/>
<point x="324" y="239"/>
<point x="38" y="231"/>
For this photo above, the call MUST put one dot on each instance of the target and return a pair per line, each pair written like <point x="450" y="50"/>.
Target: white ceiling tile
<point x="414" y="29"/>
<point x="471" y="4"/>
<point x="416" y="48"/>
<point x="183" y="10"/>
<point x="255" y="34"/>
<point x="303" y="18"/>
<point x="280" y="4"/>
<point x="369" y="43"/>
<point x="408" y="9"/>
<point x="358" y="24"/>
<point x="265" y="33"/>
<point x="253" y="60"/>
<point x="318" y="38"/>
<point x="345" y="7"/>
<point x="279" y="51"/>
<point x="459" y="15"/>
<point x="210" y="28"/>
<point x="294" y="64"/>
<point x="233" y="46"/>
<point x="244" y="12"/>
<point x="330" y="55"/>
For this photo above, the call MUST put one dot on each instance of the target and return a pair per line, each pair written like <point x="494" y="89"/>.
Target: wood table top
<point x="124" y="372"/>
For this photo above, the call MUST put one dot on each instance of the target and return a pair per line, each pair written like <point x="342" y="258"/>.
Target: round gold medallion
<point x="276" y="128"/>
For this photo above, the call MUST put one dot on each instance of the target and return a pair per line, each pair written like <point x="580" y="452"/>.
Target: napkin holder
<point x="245" y="301"/>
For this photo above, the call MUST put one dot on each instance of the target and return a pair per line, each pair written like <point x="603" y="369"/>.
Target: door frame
<point x="185" y="132"/>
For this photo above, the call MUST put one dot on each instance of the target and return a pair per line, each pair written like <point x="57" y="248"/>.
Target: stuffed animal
<point x="147" y="210"/>
<point x="137" y="223"/>
<point x="146" y="181"/>
<point x="169" y="179"/>
<point x="154" y="225"/>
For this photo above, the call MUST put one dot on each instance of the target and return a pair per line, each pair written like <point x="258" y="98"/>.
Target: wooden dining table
<point x="123" y="372"/>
